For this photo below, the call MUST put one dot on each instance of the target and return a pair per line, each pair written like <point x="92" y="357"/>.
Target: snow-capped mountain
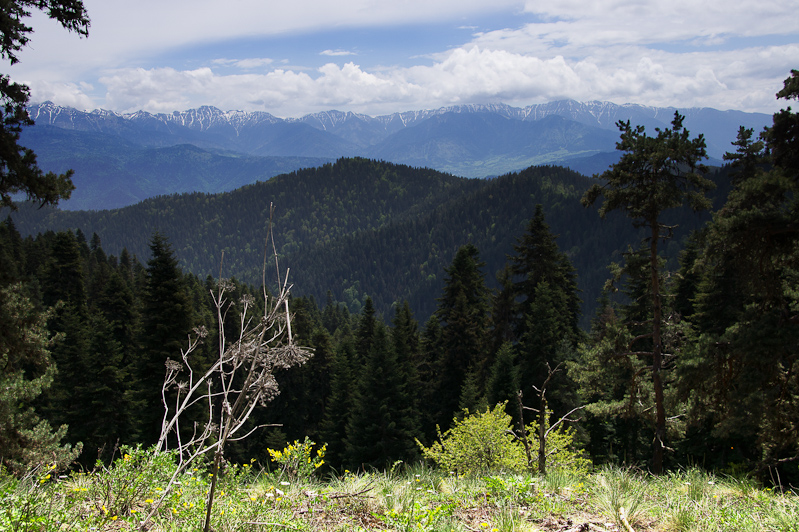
<point x="468" y="140"/>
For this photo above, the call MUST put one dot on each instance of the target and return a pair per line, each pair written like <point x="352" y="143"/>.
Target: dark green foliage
<point x="503" y="381"/>
<point x="333" y="428"/>
<point x="382" y="426"/>
<point x="463" y="314"/>
<point x="166" y="322"/>
<point x="537" y="260"/>
<point x="26" y="372"/>
<point x="19" y="172"/>
<point x="361" y="227"/>
<point x="740" y="374"/>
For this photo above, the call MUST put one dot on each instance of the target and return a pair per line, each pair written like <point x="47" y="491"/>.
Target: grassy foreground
<point x="409" y="499"/>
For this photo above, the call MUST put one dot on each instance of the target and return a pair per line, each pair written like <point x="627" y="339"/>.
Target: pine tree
<point x="503" y="382"/>
<point x="653" y="175"/>
<point x="364" y="334"/>
<point x="63" y="286"/>
<point x="26" y="371"/>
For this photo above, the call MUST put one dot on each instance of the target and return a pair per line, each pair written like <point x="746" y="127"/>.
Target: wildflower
<point x="284" y="483"/>
<point x="484" y="525"/>
<point x="148" y="501"/>
<point x="114" y="518"/>
<point x="127" y="457"/>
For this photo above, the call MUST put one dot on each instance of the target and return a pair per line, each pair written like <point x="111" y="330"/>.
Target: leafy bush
<point x="479" y="443"/>
<point x="484" y="442"/>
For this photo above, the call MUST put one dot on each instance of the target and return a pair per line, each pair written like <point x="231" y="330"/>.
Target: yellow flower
<point x="148" y="501"/>
<point x="114" y="518"/>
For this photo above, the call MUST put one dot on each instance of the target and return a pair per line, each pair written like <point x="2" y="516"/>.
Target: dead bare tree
<point x="543" y="414"/>
<point x="240" y="379"/>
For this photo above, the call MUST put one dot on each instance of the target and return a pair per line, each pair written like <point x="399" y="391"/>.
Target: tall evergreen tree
<point x="538" y="260"/>
<point x="463" y="314"/>
<point x="338" y="407"/>
<point x="653" y="175"/>
<point x="63" y="286"/>
<point x="381" y="429"/>
<point x="364" y="334"/>
<point x="166" y="322"/>
<point x="26" y="371"/>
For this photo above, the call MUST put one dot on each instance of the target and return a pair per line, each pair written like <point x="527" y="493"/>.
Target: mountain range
<point x="121" y="159"/>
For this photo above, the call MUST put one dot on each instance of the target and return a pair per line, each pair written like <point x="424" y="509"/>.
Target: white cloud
<point x="244" y="64"/>
<point x="336" y="53"/>
<point x="657" y="52"/>
<point x="721" y="80"/>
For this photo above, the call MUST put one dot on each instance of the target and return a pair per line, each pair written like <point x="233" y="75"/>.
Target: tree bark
<point x="657" y="354"/>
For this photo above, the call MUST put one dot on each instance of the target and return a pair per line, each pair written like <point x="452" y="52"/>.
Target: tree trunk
<point x="657" y="355"/>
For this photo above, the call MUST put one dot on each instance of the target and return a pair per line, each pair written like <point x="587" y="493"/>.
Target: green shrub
<point x="479" y="443"/>
<point x="484" y="442"/>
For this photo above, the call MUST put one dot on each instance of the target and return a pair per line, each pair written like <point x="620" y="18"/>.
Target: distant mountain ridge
<point x="211" y="120"/>
<point x="465" y="140"/>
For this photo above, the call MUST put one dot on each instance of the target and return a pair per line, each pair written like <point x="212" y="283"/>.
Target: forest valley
<point x="697" y="364"/>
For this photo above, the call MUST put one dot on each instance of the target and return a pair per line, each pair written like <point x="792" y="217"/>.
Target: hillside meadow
<point x="406" y="498"/>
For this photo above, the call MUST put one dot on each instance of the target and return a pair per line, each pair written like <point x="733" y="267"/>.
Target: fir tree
<point x="166" y="323"/>
<point x="463" y="314"/>
<point x="381" y="429"/>
<point x="338" y="407"/>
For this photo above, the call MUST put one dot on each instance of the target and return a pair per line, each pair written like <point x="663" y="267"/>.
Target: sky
<point x="376" y="57"/>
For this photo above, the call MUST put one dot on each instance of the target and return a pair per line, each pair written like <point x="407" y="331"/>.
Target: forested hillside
<point x="363" y="228"/>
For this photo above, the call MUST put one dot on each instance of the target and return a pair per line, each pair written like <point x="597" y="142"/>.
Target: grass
<point x="411" y="498"/>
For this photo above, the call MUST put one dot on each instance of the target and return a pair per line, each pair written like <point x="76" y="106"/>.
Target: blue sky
<point x="378" y="57"/>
